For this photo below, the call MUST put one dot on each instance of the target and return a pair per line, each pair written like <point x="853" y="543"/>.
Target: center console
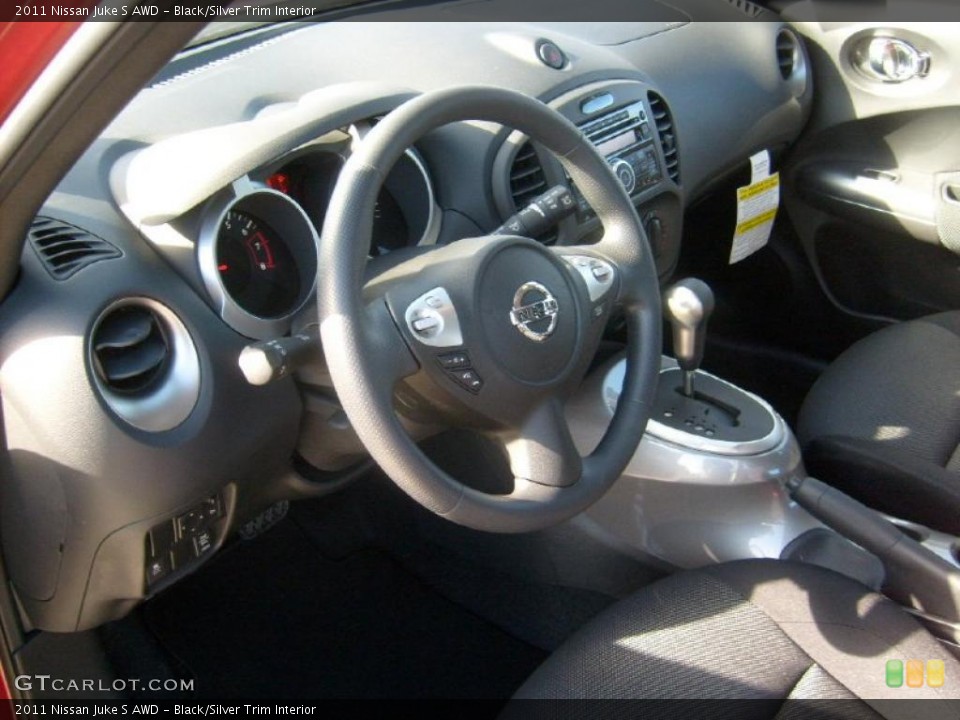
<point x="708" y="482"/>
<point x="718" y="476"/>
<point x="700" y="489"/>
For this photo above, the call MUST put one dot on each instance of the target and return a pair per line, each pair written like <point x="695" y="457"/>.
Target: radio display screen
<point x="609" y="147"/>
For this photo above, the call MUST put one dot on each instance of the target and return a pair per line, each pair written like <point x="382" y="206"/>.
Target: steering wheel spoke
<point x="389" y="356"/>
<point x="542" y="451"/>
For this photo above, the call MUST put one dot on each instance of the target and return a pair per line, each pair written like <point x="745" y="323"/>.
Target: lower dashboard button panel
<point x="178" y="543"/>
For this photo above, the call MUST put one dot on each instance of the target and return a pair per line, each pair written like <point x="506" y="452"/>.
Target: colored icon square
<point x="935" y="673"/>
<point x="914" y="673"/>
<point x="894" y="673"/>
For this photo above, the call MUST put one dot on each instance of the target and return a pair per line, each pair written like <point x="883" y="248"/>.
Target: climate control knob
<point x="625" y="174"/>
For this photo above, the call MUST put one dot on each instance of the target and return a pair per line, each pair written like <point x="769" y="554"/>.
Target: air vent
<point x="526" y="177"/>
<point x="746" y="7"/>
<point x="787" y="51"/>
<point x="130" y="350"/>
<point x="66" y="249"/>
<point x="527" y="181"/>
<point x="667" y="133"/>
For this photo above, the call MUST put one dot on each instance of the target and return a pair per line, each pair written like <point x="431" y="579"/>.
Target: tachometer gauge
<point x="256" y="266"/>
<point x="258" y="259"/>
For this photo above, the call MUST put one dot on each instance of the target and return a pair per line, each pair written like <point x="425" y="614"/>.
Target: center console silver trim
<point x="613" y="382"/>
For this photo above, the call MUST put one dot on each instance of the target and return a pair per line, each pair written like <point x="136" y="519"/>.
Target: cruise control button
<point x="468" y="378"/>
<point x="454" y="361"/>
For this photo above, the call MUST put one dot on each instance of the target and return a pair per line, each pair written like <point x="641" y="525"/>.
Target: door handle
<point x="890" y="60"/>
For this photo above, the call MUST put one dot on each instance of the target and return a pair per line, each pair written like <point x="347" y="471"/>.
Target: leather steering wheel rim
<point x="368" y="347"/>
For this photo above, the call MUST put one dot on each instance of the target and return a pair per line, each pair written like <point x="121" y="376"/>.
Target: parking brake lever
<point x="915" y="575"/>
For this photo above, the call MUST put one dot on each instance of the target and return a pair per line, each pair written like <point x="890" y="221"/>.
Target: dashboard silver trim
<point x="244" y="322"/>
<point x="170" y="403"/>
<point x="431" y="232"/>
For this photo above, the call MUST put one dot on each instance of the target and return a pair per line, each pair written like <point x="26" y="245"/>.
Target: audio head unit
<point x="625" y="138"/>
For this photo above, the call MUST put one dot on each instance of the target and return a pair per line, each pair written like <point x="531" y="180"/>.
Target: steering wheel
<point x="491" y="333"/>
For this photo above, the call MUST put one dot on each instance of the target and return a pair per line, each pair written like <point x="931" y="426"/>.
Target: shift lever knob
<point x="688" y="305"/>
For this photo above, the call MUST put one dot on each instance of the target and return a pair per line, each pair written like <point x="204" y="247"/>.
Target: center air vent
<point x="667" y="133"/>
<point x="130" y="350"/>
<point x="66" y="249"/>
<point x="527" y="181"/>
<point x="526" y="177"/>
<point x="787" y="51"/>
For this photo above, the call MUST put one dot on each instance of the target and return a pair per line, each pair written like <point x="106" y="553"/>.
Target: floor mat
<point x="271" y="618"/>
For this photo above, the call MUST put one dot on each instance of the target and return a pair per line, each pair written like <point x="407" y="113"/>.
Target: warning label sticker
<point x="757" y="205"/>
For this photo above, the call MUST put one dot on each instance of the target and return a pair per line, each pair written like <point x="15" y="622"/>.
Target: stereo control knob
<point x="625" y="174"/>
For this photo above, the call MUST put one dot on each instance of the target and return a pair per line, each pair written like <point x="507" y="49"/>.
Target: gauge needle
<point x="259" y="247"/>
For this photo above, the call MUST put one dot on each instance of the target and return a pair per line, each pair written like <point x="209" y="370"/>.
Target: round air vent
<point x="145" y="364"/>
<point x="786" y="53"/>
<point x="791" y="61"/>
<point x="130" y="349"/>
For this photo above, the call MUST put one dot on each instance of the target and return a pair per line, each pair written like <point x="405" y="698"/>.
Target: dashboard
<point x="189" y="231"/>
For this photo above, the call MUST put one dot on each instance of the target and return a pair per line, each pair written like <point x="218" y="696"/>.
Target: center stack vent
<point x="667" y="134"/>
<point x="527" y="181"/>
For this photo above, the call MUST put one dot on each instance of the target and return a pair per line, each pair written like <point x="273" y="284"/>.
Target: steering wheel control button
<point x="426" y="324"/>
<point x="454" y="360"/>
<point x="468" y="378"/>
<point x="597" y="274"/>
<point x="534" y="312"/>
<point x="432" y="320"/>
<point x="550" y="54"/>
<point x="601" y="273"/>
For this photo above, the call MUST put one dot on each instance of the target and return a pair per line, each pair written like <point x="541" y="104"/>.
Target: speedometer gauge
<point x="256" y="266"/>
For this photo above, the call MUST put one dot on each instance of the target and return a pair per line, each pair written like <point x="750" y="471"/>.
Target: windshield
<point x="246" y="15"/>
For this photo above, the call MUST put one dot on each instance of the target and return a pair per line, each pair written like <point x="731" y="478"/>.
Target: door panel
<point x="873" y="189"/>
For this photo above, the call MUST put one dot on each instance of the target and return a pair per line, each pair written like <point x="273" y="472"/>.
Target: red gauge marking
<point x="223" y="267"/>
<point x="260" y="252"/>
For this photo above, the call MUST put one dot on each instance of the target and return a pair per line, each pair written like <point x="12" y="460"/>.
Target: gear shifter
<point x="688" y="305"/>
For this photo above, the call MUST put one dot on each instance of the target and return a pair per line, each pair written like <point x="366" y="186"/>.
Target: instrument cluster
<point x="257" y="249"/>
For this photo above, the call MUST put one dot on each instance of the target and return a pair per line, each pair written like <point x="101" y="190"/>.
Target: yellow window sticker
<point x="757" y="205"/>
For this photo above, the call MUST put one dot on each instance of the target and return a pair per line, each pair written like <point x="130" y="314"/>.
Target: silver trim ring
<point x="286" y="218"/>
<point x="169" y="403"/>
<point x="522" y="315"/>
